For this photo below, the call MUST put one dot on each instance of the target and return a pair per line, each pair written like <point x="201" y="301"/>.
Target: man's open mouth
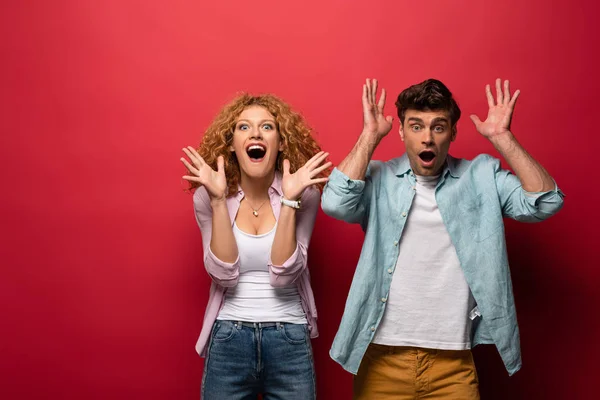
<point x="256" y="152"/>
<point x="427" y="155"/>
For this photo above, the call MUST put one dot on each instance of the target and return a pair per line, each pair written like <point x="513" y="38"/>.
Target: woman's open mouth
<point x="256" y="152"/>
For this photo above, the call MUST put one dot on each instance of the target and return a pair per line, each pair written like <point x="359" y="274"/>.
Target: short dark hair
<point x="429" y="95"/>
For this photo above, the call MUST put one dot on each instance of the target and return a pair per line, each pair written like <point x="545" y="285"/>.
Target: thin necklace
<point x="255" y="210"/>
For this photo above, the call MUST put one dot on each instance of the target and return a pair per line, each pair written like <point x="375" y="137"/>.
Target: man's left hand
<point x="500" y="113"/>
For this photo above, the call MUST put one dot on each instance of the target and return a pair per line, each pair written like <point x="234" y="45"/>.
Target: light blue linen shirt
<point x="472" y="196"/>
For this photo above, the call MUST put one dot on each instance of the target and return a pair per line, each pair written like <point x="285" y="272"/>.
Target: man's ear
<point x="401" y="130"/>
<point x="454" y="133"/>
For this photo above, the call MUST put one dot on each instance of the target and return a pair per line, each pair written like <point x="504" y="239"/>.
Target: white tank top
<point x="429" y="301"/>
<point x="253" y="299"/>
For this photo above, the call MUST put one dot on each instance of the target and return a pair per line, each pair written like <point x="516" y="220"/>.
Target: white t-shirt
<point x="429" y="301"/>
<point x="253" y="299"/>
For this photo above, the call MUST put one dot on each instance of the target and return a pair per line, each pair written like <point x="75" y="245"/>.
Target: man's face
<point x="427" y="136"/>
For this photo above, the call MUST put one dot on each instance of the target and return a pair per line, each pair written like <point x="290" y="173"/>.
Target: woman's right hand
<point x="213" y="181"/>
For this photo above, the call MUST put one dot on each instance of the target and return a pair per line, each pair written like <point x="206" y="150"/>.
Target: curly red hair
<point x="298" y="144"/>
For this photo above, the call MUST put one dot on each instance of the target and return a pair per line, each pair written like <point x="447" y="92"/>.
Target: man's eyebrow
<point x="440" y="119"/>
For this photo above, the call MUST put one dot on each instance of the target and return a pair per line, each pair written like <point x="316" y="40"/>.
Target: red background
<point x="103" y="290"/>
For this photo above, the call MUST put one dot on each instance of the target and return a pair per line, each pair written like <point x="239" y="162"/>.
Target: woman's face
<point x="256" y="142"/>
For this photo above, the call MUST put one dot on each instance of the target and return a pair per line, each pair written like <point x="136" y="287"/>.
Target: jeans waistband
<point x="255" y="325"/>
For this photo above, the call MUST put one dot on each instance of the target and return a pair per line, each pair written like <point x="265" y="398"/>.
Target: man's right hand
<point x="376" y="126"/>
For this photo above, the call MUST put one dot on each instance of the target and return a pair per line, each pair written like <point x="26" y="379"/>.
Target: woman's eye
<point x="267" y="126"/>
<point x="243" y="127"/>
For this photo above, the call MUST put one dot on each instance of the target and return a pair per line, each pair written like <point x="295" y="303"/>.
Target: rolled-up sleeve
<point x="524" y="206"/>
<point x="221" y="272"/>
<point x="293" y="267"/>
<point x="343" y="198"/>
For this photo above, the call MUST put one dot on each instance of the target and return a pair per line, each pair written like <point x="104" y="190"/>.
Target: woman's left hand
<point x="293" y="185"/>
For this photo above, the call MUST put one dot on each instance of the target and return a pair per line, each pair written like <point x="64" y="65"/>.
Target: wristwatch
<point x="291" y="203"/>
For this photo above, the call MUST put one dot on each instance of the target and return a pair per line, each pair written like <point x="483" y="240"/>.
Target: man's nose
<point x="427" y="136"/>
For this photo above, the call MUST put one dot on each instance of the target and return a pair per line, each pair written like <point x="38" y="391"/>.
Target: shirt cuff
<point x="545" y="201"/>
<point x="343" y="182"/>
<point x="220" y="263"/>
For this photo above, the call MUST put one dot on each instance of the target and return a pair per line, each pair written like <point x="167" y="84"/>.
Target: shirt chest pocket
<point x="482" y="217"/>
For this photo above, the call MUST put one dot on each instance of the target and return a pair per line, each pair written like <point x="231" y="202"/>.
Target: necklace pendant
<point x="255" y="213"/>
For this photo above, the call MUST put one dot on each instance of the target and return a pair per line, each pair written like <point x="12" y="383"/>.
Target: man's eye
<point x="439" y="129"/>
<point x="416" y="128"/>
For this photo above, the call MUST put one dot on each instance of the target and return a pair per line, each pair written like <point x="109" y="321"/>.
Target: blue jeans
<point x="245" y="359"/>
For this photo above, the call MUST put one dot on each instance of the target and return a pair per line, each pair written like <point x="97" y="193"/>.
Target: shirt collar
<point x="274" y="188"/>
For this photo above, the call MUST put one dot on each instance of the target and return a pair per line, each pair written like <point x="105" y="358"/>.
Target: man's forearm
<point x="533" y="177"/>
<point x="354" y="166"/>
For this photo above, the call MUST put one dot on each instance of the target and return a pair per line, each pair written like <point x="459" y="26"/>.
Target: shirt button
<point x="414" y="188"/>
<point x="389" y="271"/>
<point x="372" y="329"/>
<point x="383" y="299"/>
<point x="404" y="214"/>
<point x="396" y="243"/>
